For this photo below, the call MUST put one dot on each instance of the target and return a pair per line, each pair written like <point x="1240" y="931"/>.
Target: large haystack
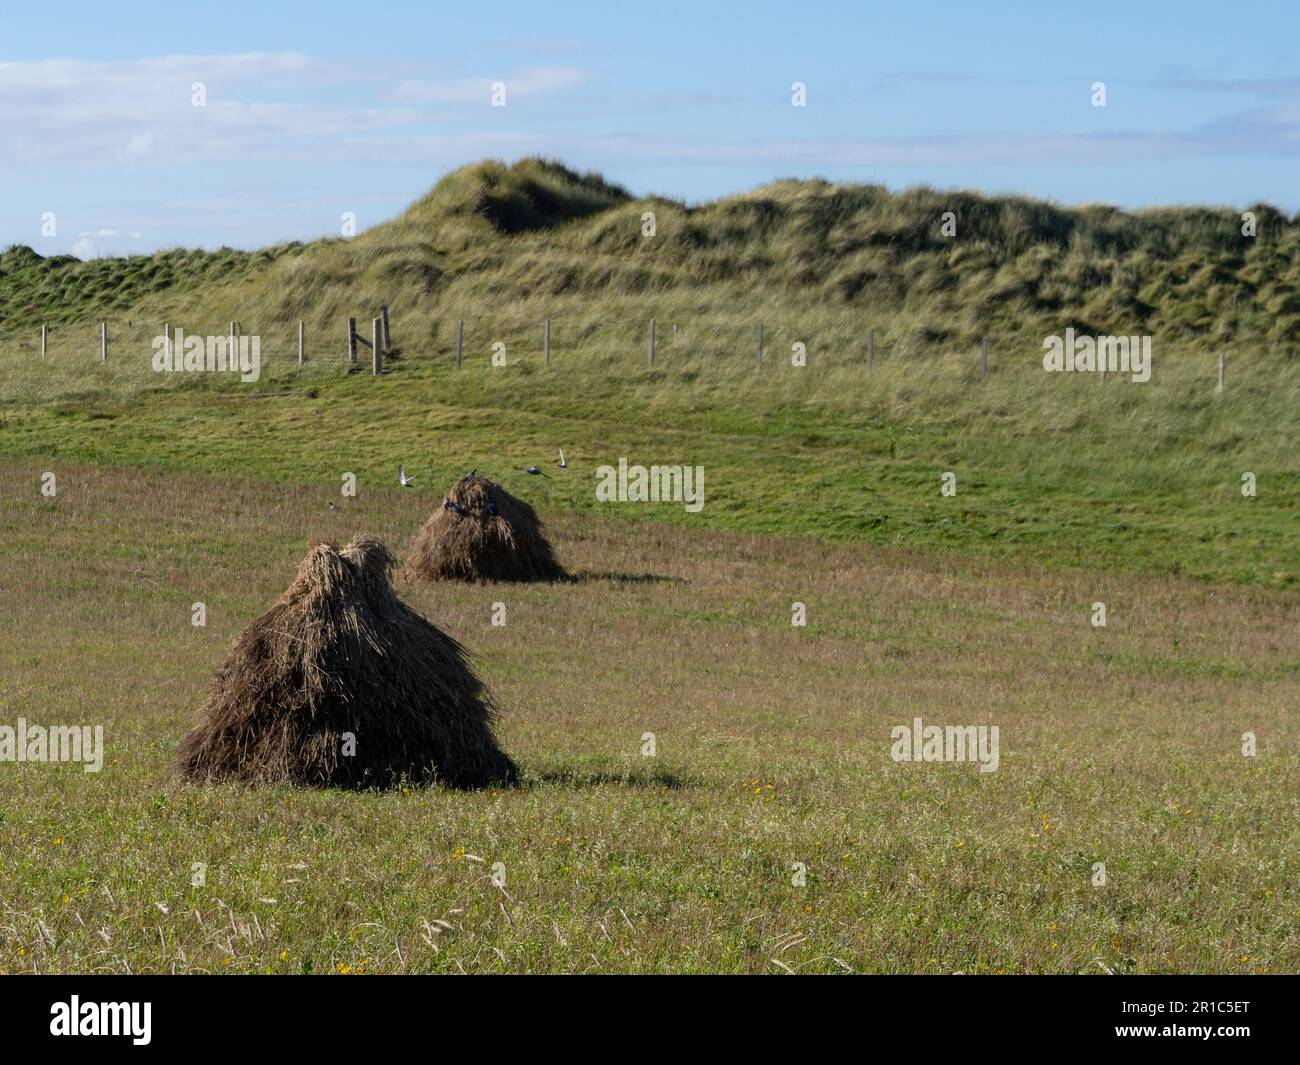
<point x="483" y="533"/>
<point x="340" y="653"/>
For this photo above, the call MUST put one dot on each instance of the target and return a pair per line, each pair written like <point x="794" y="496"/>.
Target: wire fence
<point x="369" y="346"/>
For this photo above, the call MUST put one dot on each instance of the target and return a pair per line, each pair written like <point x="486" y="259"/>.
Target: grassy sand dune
<point x="503" y="243"/>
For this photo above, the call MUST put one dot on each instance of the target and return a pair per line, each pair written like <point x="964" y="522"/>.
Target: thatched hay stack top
<point x="481" y="532"/>
<point x="339" y="653"/>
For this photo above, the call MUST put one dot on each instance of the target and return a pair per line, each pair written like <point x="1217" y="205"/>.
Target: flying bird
<point x="563" y="465"/>
<point x="333" y="505"/>
<point x="403" y="480"/>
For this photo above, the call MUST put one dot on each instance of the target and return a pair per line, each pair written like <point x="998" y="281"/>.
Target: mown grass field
<point x="1059" y="468"/>
<point x="1120" y="745"/>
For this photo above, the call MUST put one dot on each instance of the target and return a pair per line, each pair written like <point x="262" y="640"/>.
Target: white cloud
<point x="250" y="166"/>
<point x="525" y="83"/>
<point x="1268" y="88"/>
<point x="139" y="112"/>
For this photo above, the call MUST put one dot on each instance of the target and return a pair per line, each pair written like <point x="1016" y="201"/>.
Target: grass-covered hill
<point x="62" y="288"/>
<point x="1052" y="468"/>
<point x="494" y="240"/>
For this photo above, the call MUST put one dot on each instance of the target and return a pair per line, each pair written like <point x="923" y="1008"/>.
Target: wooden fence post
<point x="760" y="342"/>
<point x="301" y="344"/>
<point x="1221" y="369"/>
<point x="871" y="348"/>
<point x="984" y="357"/>
<point x="388" y="338"/>
<point x="377" y="345"/>
<point x="546" y="341"/>
<point x="460" y="339"/>
<point x="650" y="350"/>
<point x="103" y="342"/>
<point x="352" y="340"/>
<point x="45" y="333"/>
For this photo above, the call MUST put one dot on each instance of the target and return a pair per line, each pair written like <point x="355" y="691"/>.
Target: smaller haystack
<point x="483" y="533"/>
<point x="340" y="653"/>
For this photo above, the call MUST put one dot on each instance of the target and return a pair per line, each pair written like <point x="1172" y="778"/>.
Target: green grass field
<point x="1120" y="745"/>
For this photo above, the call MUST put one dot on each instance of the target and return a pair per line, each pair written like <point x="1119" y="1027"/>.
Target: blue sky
<point x="319" y="108"/>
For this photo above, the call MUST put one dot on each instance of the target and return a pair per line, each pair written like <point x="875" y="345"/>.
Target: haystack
<point x="483" y="533"/>
<point x="339" y="653"/>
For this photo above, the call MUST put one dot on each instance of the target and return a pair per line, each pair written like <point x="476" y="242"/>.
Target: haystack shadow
<point x="577" y="777"/>
<point x="590" y="576"/>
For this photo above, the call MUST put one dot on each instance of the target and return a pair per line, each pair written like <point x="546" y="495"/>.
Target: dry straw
<point x="340" y="653"/>
<point x="483" y="533"/>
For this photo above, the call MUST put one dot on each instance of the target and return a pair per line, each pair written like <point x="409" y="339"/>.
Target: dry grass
<point x="340" y="683"/>
<point x="481" y="532"/>
<point x="1120" y="745"/>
